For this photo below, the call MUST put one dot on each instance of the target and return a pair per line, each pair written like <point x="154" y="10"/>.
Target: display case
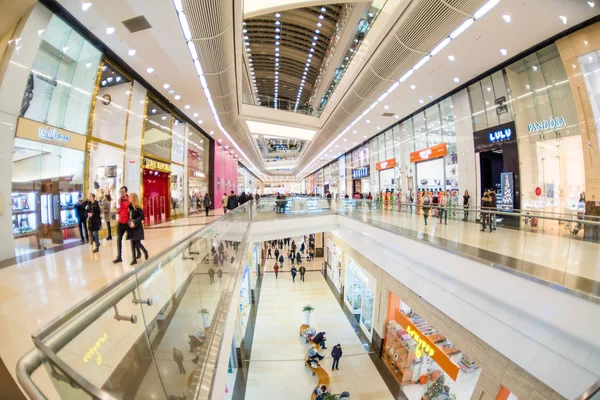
<point x="46" y="209"/>
<point x="68" y="216"/>
<point x="366" y="316"/>
<point x="24" y="216"/>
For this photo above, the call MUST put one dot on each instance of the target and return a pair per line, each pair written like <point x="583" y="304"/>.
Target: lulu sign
<point x="391" y="163"/>
<point x="430" y="153"/>
<point x="426" y="346"/>
<point x="156" y="165"/>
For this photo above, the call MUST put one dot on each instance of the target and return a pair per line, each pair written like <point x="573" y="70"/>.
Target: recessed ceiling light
<point x="396" y="116"/>
<point x="171" y="91"/>
<point x="163" y="118"/>
<point x="200" y="122"/>
<point x="413" y="87"/>
<point x="166" y="86"/>
<point x="212" y="132"/>
<point x="365" y="136"/>
<point x="591" y="4"/>
<point x="277" y="15"/>
<point x="187" y="106"/>
<point x="277" y="23"/>
<point x="110" y="30"/>
<point x="503" y="52"/>
<point x="456" y="80"/>
<point x="131" y="52"/>
<point x="195" y="115"/>
<point x="386" y="107"/>
<point x="506" y="18"/>
<point x="489" y="89"/>
<point x="378" y="128"/>
<point x="421" y="101"/>
<point x="154" y="111"/>
<point x="149" y="70"/>
<point x="534" y="68"/>
<point x="220" y="140"/>
<point x="177" y="97"/>
<point x="451" y="58"/>
<point x="563" y="19"/>
<point x="319" y="24"/>
<point x="86" y="6"/>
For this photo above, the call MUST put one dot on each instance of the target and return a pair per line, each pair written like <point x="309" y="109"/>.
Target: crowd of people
<point x="130" y="217"/>
<point x="231" y="201"/>
<point x="287" y="248"/>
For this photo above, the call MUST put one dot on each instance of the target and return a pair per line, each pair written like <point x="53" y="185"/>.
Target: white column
<point x="465" y="148"/>
<point x="16" y="66"/>
<point x="186" y="192"/>
<point x="133" y="144"/>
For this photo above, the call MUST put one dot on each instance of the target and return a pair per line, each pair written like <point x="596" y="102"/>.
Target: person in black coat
<point x="94" y="221"/>
<point x="81" y="212"/>
<point x="136" y="228"/>
<point x="232" y="201"/>
<point x="336" y="354"/>
<point x="320" y="339"/>
<point x="243" y="198"/>
<point x="207" y="203"/>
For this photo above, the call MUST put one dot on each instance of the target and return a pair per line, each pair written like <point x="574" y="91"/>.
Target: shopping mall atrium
<point x="294" y="199"/>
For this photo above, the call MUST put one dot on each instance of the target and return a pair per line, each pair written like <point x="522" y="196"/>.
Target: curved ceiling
<point x="292" y="35"/>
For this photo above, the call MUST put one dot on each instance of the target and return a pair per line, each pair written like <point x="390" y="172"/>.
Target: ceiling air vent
<point x="137" y="24"/>
<point x="388" y="114"/>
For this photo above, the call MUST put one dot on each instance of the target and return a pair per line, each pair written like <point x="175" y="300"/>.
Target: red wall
<point x="225" y="173"/>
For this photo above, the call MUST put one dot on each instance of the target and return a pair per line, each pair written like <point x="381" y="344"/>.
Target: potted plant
<point x="329" y="396"/>
<point x="307" y="313"/>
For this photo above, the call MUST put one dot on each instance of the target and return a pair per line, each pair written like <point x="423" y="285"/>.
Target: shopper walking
<point x="486" y="204"/>
<point x="106" y="211"/>
<point x="494" y="207"/>
<point x="269" y="254"/>
<point x="81" y="212"/>
<point x="276" y="269"/>
<point x="94" y="222"/>
<point x="220" y="274"/>
<point x="444" y="208"/>
<point x="211" y="275"/>
<point x="336" y="354"/>
<point x="426" y="205"/>
<point x="302" y="271"/>
<point x="224" y="203"/>
<point x="298" y="258"/>
<point x="281" y="259"/>
<point x="122" y="221"/>
<point x="178" y="358"/>
<point x="232" y="201"/>
<point x="276" y="254"/>
<point x="207" y="202"/>
<point x="466" y="204"/>
<point x="294" y="271"/>
<point x="136" y="228"/>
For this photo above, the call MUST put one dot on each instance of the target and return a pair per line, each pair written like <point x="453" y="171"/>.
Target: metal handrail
<point x="588" y="394"/>
<point x="573" y="218"/>
<point x="32" y="360"/>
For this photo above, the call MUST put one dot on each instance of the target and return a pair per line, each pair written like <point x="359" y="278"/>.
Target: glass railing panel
<point x="557" y="248"/>
<point x="293" y="205"/>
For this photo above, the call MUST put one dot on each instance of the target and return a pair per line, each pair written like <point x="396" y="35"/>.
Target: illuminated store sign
<point x="500" y="135"/>
<point x="156" y="165"/>
<point x="507" y="181"/>
<point x="426" y="346"/>
<point x="391" y="163"/>
<point x="360" y="172"/>
<point x="429" y="153"/>
<point x="550" y="123"/>
<point x="51" y="134"/>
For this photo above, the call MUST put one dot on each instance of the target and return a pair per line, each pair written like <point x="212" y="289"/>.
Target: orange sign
<point x="391" y="163"/>
<point x="426" y="346"/>
<point x="430" y="153"/>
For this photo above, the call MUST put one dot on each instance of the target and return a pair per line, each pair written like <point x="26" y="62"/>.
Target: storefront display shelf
<point x="467" y="365"/>
<point x="23" y="234"/>
<point x="23" y="212"/>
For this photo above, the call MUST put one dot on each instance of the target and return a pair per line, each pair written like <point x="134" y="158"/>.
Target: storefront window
<point x="176" y="186"/>
<point x="590" y="65"/>
<point x="61" y="84"/>
<point x="359" y="294"/>
<point x="178" y="138"/>
<point x="47" y="181"/>
<point x="105" y="170"/>
<point x="197" y="163"/>
<point x="434" y="126"/>
<point x="550" y="155"/>
<point x="109" y="120"/>
<point x="157" y="131"/>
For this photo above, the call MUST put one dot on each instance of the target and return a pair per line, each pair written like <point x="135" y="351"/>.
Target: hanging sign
<point x="391" y="163"/>
<point x="429" y="153"/>
<point x="427" y="346"/>
<point x="495" y="137"/>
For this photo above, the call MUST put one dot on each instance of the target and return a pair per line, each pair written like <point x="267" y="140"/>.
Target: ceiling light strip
<point x="453" y="35"/>
<point x="276" y="62"/>
<point x="309" y="57"/>
<point x="193" y="53"/>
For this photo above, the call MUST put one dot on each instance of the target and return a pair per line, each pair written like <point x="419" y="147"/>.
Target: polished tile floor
<point x="34" y="292"/>
<point x="277" y="362"/>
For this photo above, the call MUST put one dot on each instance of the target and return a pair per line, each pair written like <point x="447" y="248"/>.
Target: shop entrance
<point x="491" y="164"/>
<point x="156" y="195"/>
<point x="387" y="180"/>
<point x="356" y="186"/>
